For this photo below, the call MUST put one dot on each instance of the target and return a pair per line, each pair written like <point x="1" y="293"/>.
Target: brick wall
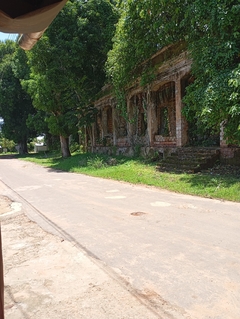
<point x="230" y="155"/>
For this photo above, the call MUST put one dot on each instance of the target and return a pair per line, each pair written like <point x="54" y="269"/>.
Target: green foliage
<point x="8" y="144"/>
<point x="67" y="64"/>
<point x="144" y="27"/>
<point x="37" y="122"/>
<point x="15" y="103"/>
<point x="211" y="30"/>
<point x="74" y="147"/>
<point x="95" y="162"/>
<point x="136" y="171"/>
<point x="214" y="45"/>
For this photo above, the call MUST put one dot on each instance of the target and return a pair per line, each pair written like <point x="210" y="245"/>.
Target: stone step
<point x="192" y="152"/>
<point x="175" y="169"/>
<point x="190" y="160"/>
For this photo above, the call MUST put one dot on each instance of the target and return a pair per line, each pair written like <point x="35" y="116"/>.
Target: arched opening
<point x="166" y="110"/>
<point x="165" y="107"/>
<point x="137" y="115"/>
<point x="109" y="120"/>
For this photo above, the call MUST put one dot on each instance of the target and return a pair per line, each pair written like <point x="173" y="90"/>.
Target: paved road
<point x="180" y="254"/>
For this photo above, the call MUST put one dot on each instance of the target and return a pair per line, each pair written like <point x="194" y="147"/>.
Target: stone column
<point x="93" y="134"/>
<point x="223" y="142"/>
<point x="129" y="125"/>
<point x="114" y="120"/>
<point x="130" y="108"/>
<point x="151" y="117"/>
<point x="104" y="122"/>
<point x="181" y="124"/>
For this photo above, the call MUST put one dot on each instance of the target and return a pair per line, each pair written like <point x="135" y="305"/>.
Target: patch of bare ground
<point x="5" y="204"/>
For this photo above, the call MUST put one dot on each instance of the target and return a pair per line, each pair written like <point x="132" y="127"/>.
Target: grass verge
<point x="209" y="184"/>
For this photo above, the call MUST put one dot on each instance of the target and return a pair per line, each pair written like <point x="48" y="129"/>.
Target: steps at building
<point x="189" y="159"/>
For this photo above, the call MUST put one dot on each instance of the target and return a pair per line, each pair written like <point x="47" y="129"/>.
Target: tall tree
<point x="15" y="103"/>
<point x="214" y="44"/>
<point x="67" y="65"/>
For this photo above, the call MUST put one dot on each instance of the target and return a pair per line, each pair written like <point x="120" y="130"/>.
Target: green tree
<point x="214" y="45"/>
<point x="67" y="65"/>
<point x="15" y="103"/>
<point x="144" y="28"/>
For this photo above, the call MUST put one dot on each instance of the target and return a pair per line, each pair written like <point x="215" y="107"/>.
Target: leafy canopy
<point x="15" y="103"/>
<point x="211" y="30"/>
<point x="144" y="28"/>
<point x="214" y="44"/>
<point x="67" y="65"/>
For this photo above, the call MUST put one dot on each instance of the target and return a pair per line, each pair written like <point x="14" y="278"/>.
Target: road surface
<point x="179" y="254"/>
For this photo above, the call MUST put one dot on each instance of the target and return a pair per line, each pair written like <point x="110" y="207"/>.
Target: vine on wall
<point x="211" y="31"/>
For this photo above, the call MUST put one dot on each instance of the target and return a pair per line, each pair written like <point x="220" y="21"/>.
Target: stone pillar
<point x="151" y="117"/>
<point x="104" y="123"/>
<point x="114" y="119"/>
<point x="181" y="123"/>
<point x="223" y="142"/>
<point x="132" y="124"/>
<point x="129" y="125"/>
<point x="93" y="134"/>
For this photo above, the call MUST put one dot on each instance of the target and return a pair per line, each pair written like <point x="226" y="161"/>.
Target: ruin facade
<point x="153" y="120"/>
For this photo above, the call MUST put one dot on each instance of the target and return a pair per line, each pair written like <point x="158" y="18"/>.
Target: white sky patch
<point x="8" y="36"/>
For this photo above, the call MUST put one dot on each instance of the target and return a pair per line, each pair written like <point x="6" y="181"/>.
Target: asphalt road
<point x="180" y="254"/>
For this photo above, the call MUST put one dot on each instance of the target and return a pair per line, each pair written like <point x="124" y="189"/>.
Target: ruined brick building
<point x="154" y="120"/>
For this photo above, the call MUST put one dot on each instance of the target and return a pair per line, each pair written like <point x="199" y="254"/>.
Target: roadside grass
<point x="140" y="171"/>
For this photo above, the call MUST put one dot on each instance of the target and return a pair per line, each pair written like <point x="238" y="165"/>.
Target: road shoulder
<point x="47" y="277"/>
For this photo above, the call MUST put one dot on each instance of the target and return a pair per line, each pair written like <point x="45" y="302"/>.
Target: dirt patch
<point x="46" y="277"/>
<point x="5" y="205"/>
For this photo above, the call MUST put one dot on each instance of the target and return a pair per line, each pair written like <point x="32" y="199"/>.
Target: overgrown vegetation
<point x="210" y="184"/>
<point x="214" y="44"/>
<point x="211" y="31"/>
<point x="65" y="70"/>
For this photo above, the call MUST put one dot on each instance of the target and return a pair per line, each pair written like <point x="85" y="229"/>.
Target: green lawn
<point x="139" y="171"/>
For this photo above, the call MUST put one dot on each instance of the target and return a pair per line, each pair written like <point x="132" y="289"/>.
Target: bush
<point x="96" y="162"/>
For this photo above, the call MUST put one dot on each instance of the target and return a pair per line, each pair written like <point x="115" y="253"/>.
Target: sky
<point x="7" y="36"/>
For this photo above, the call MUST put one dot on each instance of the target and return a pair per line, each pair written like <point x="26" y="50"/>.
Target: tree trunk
<point x="65" y="146"/>
<point x="22" y="147"/>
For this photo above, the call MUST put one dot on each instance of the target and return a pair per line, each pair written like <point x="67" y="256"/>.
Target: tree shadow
<point x="78" y="161"/>
<point x="8" y="156"/>
<point x="219" y="178"/>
